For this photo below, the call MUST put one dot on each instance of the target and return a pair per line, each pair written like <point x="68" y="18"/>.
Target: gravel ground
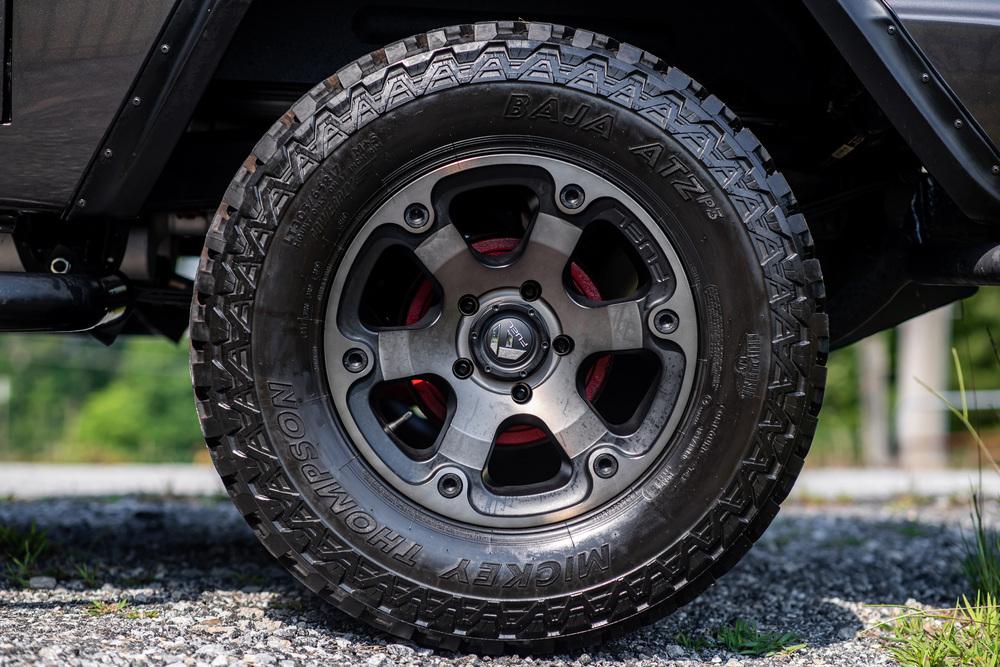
<point x="200" y="590"/>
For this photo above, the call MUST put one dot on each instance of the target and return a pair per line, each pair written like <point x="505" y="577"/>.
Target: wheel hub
<point x="509" y="342"/>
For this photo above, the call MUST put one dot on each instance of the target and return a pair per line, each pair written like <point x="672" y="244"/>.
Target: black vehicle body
<point x="123" y="121"/>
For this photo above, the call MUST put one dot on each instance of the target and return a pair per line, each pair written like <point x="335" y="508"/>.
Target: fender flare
<point x="916" y="99"/>
<point x="170" y="84"/>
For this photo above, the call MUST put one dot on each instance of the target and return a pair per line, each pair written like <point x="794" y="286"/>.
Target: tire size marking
<point x="748" y="365"/>
<point x="580" y="566"/>
<point x="522" y="105"/>
<point x="323" y="484"/>
<point x="716" y="333"/>
<point x="672" y="169"/>
<point x="706" y="424"/>
<point x="335" y="183"/>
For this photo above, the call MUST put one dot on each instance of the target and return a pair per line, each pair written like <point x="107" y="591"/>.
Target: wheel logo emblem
<point x="510" y="340"/>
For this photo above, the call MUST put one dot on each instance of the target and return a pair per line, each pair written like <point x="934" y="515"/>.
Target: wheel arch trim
<point x="939" y="129"/>
<point x="175" y="74"/>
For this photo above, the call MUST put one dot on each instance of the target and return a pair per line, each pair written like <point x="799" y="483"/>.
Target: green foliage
<point x="975" y="318"/>
<point x="744" y="638"/>
<point x="836" y="439"/>
<point x="144" y="414"/>
<point x="969" y="634"/>
<point x="72" y="399"/>
<point x="50" y="377"/>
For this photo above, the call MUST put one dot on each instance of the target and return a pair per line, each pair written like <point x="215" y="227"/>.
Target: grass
<point x="21" y="551"/>
<point x="105" y="608"/>
<point x="121" y="607"/>
<point x="744" y="638"/>
<point x="982" y="554"/>
<point x="88" y="574"/>
<point x="969" y="633"/>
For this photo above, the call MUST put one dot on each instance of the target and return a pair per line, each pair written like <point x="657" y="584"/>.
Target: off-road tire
<point x="768" y="371"/>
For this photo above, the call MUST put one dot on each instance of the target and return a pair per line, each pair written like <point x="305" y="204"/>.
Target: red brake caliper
<point x="430" y="396"/>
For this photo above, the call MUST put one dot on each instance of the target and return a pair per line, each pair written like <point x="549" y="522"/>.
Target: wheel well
<point x="853" y="175"/>
<point x="774" y="67"/>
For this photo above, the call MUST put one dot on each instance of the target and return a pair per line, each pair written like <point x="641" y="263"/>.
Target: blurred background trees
<point x="69" y="398"/>
<point x="72" y="399"/>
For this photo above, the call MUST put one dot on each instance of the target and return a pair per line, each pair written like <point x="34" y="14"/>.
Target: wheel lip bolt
<point x="666" y="326"/>
<point x="450" y="485"/>
<point x="530" y="290"/>
<point x="416" y="216"/>
<point x="562" y="345"/>
<point x="605" y="466"/>
<point x="572" y="196"/>
<point x="468" y="305"/>
<point x="355" y="360"/>
<point x="520" y="393"/>
<point x="462" y="368"/>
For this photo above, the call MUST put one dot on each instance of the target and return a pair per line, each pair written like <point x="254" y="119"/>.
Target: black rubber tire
<point x="256" y="355"/>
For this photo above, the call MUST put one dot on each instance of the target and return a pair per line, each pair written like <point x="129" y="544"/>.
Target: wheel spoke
<point x="548" y="250"/>
<point x="404" y="353"/>
<point x="554" y="234"/>
<point x="573" y="423"/>
<point x="448" y="257"/>
<point x="469" y="437"/>
<point x="616" y="327"/>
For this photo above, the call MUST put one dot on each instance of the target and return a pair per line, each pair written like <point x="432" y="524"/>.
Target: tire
<point x="260" y="370"/>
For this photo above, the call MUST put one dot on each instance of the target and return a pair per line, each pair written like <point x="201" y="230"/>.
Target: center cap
<point x="510" y="341"/>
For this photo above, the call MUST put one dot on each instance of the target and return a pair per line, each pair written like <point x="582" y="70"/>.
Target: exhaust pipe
<point x="967" y="265"/>
<point x="60" y="302"/>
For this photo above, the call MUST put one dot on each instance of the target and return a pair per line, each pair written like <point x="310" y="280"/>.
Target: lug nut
<point x="605" y="466"/>
<point x="462" y="368"/>
<point x="562" y="345"/>
<point x="355" y="360"/>
<point x="416" y="216"/>
<point x="468" y="305"/>
<point x="572" y="196"/>
<point x="530" y="290"/>
<point x="450" y="485"/>
<point x="666" y="322"/>
<point x="521" y="393"/>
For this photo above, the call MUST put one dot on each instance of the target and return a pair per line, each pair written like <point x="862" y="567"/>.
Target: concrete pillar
<point x="873" y="380"/>
<point x="921" y="419"/>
